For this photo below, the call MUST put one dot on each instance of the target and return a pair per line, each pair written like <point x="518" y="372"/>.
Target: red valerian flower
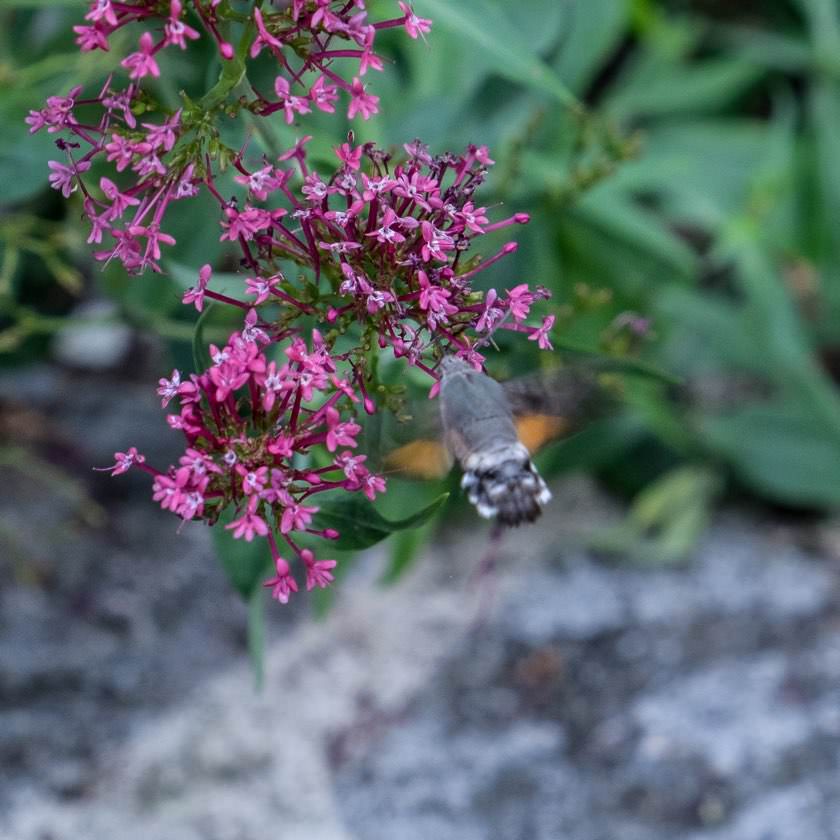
<point x="248" y="423"/>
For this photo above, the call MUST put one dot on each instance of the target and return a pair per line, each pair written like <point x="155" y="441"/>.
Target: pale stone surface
<point x="557" y="697"/>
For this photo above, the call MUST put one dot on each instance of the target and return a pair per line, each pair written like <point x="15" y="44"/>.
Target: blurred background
<point x="658" y="658"/>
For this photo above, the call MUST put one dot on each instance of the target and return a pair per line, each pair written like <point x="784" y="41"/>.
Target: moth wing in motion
<point x="546" y="406"/>
<point x="422" y="458"/>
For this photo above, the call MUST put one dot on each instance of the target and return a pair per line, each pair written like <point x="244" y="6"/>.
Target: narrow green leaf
<point x="256" y="636"/>
<point x="201" y="355"/>
<point x="781" y="450"/>
<point x="360" y="524"/>
<point x="485" y="24"/>
<point x="595" y="28"/>
<point x="776" y="50"/>
<point x="615" y="214"/>
<point x="232" y="72"/>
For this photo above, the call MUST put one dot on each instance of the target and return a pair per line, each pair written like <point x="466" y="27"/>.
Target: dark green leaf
<point x="201" y="353"/>
<point x="486" y="25"/>
<point x="256" y="635"/>
<point x="360" y="524"/>
<point x="781" y="451"/>
<point x="245" y="564"/>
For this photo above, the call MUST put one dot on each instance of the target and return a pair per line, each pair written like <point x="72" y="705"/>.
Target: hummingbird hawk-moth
<point x="492" y="429"/>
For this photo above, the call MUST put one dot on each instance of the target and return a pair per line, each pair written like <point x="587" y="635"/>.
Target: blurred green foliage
<point x="678" y="160"/>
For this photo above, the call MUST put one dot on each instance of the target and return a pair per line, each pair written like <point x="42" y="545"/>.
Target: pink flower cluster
<point x="245" y="420"/>
<point x="310" y="40"/>
<point x="387" y="247"/>
<point x="380" y="250"/>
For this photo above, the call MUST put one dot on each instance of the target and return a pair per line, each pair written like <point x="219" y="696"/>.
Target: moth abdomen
<point x="503" y="483"/>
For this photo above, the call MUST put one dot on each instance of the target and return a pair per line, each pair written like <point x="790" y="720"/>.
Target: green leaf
<point x="404" y="550"/>
<point x="706" y="86"/>
<point x="256" y="635"/>
<point x="615" y="214"/>
<point x="232" y="72"/>
<point x="23" y="156"/>
<point x="486" y="25"/>
<point x="666" y="518"/>
<point x="781" y="450"/>
<point x="596" y="27"/>
<point x="776" y="50"/>
<point x="201" y="355"/>
<point x="245" y="564"/>
<point x="360" y="524"/>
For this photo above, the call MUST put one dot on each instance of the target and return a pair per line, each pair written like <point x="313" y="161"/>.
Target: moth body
<point x="479" y="431"/>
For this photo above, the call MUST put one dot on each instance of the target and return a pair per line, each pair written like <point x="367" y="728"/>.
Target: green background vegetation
<point x="678" y="159"/>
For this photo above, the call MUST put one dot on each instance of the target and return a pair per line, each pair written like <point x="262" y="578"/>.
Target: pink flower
<point x="373" y="484"/>
<point x="491" y="315"/>
<point x="519" y="301"/>
<point x="195" y="294"/>
<point x="282" y="584"/>
<point x="142" y="63"/>
<point x="362" y="103"/>
<point x="64" y="177"/>
<point x="323" y="94"/>
<point x="414" y="26"/>
<point x="264" y="37"/>
<point x="120" y="202"/>
<point x="163" y="136"/>
<point x="318" y="572"/>
<point x="259" y="183"/>
<point x="435" y="243"/>
<point x="338" y="433"/>
<point x="102" y="10"/>
<point x="261" y="287"/>
<point x="349" y="156"/>
<point x="122" y="151"/>
<point x="168" y="388"/>
<point x="175" y="29"/>
<point x="249" y="524"/>
<point x="291" y="104"/>
<point x="123" y="461"/>
<point x="296" y="517"/>
<point x="91" y="38"/>
<point x="253" y="481"/>
<point x="540" y="335"/>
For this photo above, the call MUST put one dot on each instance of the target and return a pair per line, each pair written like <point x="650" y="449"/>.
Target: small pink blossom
<point x="176" y="30"/>
<point x="142" y="63"/>
<point x="195" y="294"/>
<point x="361" y="102"/>
<point x="323" y="94"/>
<point x="318" y="572"/>
<point x="64" y="177"/>
<point x="250" y="524"/>
<point x="414" y="26"/>
<point x="282" y="584"/>
<point x="541" y="334"/>
<point x="264" y="37"/>
<point x="519" y="301"/>
<point x="296" y="517"/>
<point x="123" y="461"/>
<point x="168" y="388"/>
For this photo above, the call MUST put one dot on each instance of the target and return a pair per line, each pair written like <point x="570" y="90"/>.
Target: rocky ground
<point x="558" y="698"/>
